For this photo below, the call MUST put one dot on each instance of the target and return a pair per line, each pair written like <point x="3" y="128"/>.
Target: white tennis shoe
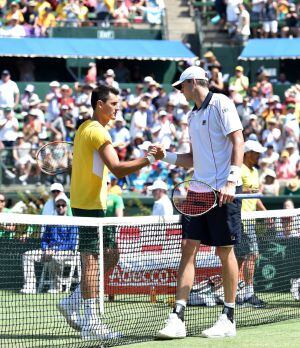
<point x="222" y="328"/>
<point x="95" y="330"/>
<point x="28" y="290"/>
<point x="72" y="317"/>
<point x="175" y="328"/>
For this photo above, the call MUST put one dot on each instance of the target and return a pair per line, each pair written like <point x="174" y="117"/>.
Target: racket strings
<point x="195" y="203"/>
<point x="55" y="158"/>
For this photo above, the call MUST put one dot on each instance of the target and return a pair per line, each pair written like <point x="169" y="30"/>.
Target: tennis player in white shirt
<point x="216" y="155"/>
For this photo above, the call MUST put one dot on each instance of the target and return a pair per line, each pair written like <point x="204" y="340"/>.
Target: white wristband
<point x="235" y="174"/>
<point x="170" y="157"/>
<point x="151" y="159"/>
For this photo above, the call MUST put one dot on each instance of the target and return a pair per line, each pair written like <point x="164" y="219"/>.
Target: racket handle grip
<point x="248" y="195"/>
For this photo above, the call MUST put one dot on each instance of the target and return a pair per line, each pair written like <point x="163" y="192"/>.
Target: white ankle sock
<point x="229" y="305"/>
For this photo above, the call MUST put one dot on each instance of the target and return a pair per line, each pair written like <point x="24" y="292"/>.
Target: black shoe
<point x="255" y="302"/>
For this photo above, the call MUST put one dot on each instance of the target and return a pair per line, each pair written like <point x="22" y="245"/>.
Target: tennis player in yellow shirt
<point x="247" y="251"/>
<point x="93" y="156"/>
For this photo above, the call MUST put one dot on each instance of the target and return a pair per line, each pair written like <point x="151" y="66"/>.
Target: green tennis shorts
<point x="88" y="236"/>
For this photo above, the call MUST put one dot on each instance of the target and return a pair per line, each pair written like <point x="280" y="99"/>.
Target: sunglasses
<point x="61" y="205"/>
<point x="55" y="191"/>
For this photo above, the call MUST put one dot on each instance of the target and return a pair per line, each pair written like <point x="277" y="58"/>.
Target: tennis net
<point x="138" y="280"/>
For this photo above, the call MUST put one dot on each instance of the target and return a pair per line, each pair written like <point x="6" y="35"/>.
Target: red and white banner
<point x="150" y="258"/>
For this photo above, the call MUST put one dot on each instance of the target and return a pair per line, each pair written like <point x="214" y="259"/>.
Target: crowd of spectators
<point x="257" y="18"/>
<point x="35" y="18"/>
<point x="150" y="114"/>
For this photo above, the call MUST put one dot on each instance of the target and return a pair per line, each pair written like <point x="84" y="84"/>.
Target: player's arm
<point x="121" y="169"/>
<point x="260" y="205"/>
<point x="183" y="160"/>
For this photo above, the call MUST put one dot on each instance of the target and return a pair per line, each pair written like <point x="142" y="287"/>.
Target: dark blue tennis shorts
<point x="221" y="226"/>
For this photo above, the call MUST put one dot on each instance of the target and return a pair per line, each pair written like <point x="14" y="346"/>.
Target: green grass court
<point x="33" y="321"/>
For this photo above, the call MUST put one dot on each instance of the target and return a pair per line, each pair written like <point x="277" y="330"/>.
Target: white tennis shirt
<point x="212" y="149"/>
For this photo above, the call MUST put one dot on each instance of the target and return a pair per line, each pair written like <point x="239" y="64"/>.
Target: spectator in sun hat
<point x="52" y="97"/>
<point x="271" y="155"/>
<point x="66" y="97"/>
<point x="291" y="125"/>
<point x="56" y="189"/>
<point x="91" y="75"/>
<point x="210" y="60"/>
<point x="269" y="183"/>
<point x="27" y="96"/>
<point x="120" y="136"/>
<point x="23" y="158"/>
<point x="291" y="26"/>
<point x="109" y="79"/>
<point x="239" y="81"/>
<point x="162" y="204"/>
<point x="292" y="149"/>
<point x="33" y="125"/>
<point x="9" y="127"/>
<point x="139" y="120"/>
<point x="284" y="169"/>
<point x="272" y="133"/>
<point x="14" y="11"/>
<point x="244" y="110"/>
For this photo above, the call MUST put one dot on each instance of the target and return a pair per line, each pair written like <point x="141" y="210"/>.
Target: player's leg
<point x="28" y="260"/>
<point x="224" y="230"/>
<point x="175" y="326"/>
<point x="249" y="269"/>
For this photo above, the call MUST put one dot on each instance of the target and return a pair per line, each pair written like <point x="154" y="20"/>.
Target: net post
<point x="101" y="267"/>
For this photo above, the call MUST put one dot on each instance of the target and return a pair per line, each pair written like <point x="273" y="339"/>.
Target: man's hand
<point x="227" y="193"/>
<point x="157" y="151"/>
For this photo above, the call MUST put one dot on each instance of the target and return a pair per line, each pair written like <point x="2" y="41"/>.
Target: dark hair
<point x="102" y="93"/>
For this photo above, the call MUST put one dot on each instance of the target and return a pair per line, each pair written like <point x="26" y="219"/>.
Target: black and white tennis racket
<point x="55" y="157"/>
<point x="195" y="198"/>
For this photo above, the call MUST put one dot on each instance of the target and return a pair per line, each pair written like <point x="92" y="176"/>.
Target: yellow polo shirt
<point x="89" y="173"/>
<point x="250" y="179"/>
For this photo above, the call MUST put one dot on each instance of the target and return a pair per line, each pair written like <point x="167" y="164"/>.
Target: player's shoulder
<point x="220" y="99"/>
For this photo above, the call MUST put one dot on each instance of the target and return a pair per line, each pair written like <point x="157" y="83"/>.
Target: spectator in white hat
<point x="139" y="120"/>
<point x="110" y="79"/>
<point x="66" y="97"/>
<point x="162" y="203"/>
<point x="9" y="91"/>
<point x="270" y="185"/>
<point x="49" y="208"/>
<point x="26" y="96"/>
<point x="23" y="158"/>
<point x="120" y="136"/>
<point x="293" y="154"/>
<point x="53" y="101"/>
<point x="91" y="76"/>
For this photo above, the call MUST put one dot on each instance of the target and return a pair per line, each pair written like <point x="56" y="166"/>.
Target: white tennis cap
<point x="57" y="187"/>
<point x="270" y="172"/>
<point x="193" y="72"/>
<point x="62" y="197"/>
<point x="255" y="146"/>
<point x="158" y="185"/>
